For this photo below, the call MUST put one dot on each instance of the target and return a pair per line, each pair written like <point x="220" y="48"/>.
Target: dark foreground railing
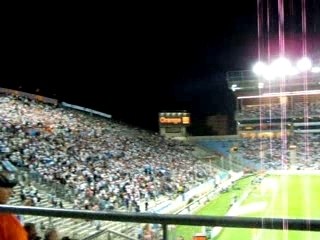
<point x="168" y="219"/>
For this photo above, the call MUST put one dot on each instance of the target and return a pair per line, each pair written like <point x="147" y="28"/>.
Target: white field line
<point x="248" y="208"/>
<point x="267" y="185"/>
<point x="236" y="210"/>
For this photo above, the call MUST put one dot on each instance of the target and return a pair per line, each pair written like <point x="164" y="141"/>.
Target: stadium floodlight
<point x="281" y="67"/>
<point x="269" y="74"/>
<point x="260" y="68"/>
<point x="304" y="64"/>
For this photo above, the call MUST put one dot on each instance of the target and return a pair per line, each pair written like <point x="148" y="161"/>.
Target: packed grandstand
<point x="71" y="159"/>
<point x="67" y="158"/>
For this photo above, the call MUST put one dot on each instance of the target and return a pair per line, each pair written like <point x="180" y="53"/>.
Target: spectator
<point x="51" y="234"/>
<point x="32" y="231"/>
<point x="27" y="202"/>
<point x="66" y="238"/>
<point x="42" y="226"/>
<point x="10" y="227"/>
<point x="148" y="233"/>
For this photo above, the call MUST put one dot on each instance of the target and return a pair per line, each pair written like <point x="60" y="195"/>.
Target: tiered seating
<point x="75" y="228"/>
<point x="98" y="160"/>
<point x="66" y="227"/>
<point x="220" y="147"/>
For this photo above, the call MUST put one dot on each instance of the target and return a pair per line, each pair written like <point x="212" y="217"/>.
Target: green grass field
<point x="287" y="196"/>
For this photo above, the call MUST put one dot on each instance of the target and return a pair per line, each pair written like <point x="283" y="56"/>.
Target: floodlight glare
<point x="304" y="64"/>
<point x="259" y="68"/>
<point x="269" y="74"/>
<point x="281" y="67"/>
<point x="293" y="71"/>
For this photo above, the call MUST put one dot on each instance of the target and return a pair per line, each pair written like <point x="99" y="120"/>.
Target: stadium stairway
<point x="65" y="226"/>
<point x="75" y="228"/>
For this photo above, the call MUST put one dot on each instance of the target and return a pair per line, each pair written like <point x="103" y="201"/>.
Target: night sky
<point x="134" y="61"/>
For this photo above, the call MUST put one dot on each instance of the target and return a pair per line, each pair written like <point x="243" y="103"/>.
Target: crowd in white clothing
<point x="104" y="164"/>
<point x="277" y="111"/>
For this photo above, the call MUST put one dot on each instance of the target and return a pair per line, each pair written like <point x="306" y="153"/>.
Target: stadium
<point x="69" y="157"/>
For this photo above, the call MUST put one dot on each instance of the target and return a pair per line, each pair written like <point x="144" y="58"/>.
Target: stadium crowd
<point x="299" y="150"/>
<point x="101" y="163"/>
<point x="298" y="109"/>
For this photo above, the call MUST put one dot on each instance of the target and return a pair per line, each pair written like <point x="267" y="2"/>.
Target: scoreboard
<point x="174" y="119"/>
<point x="173" y="124"/>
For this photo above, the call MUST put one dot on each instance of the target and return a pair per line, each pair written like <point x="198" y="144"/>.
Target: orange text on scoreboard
<point x="174" y="120"/>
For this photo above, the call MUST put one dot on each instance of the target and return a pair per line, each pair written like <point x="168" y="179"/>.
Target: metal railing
<point x="169" y="219"/>
<point x="240" y="75"/>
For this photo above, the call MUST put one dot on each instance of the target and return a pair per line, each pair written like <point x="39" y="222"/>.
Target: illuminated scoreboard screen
<point x="174" y="119"/>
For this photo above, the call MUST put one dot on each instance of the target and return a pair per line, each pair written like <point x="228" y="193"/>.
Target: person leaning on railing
<point x="10" y="227"/>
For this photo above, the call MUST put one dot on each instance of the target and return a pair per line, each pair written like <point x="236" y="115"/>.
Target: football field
<point x="279" y="194"/>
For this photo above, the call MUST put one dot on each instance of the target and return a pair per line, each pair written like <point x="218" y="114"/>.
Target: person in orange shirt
<point x="10" y="227"/>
